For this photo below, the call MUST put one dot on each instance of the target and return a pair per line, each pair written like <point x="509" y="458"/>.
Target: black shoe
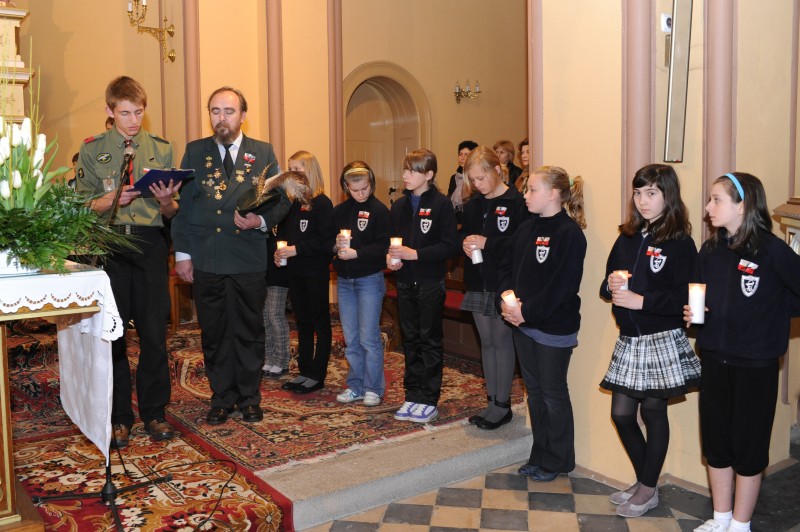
<point x="252" y="413"/>
<point x="159" y="429"/>
<point x="273" y="374"/>
<point x="488" y="425"/>
<point x="302" y="390"/>
<point x="218" y="415"/>
<point x="289" y="385"/>
<point x="473" y="420"/>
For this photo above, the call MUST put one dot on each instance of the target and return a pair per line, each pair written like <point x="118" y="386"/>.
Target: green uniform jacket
<point x="203" y="227"/>
<point x="99" y="165"/>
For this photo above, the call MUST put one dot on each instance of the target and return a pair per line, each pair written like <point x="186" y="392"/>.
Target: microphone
<point x="130" y="155"/>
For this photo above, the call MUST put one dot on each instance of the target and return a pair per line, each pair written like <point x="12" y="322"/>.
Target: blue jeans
<point x="360" y="303"/>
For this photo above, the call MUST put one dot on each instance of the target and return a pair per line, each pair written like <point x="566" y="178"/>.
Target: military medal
<point x="208" y="161"/>
<point x="240" y="176"/>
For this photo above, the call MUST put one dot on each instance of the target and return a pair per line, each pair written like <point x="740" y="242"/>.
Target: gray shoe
<point x="619" y="497"/>
<point x="626" y="509"/>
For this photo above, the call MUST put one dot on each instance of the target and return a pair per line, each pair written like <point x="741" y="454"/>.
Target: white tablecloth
<point x="84" y="348"/>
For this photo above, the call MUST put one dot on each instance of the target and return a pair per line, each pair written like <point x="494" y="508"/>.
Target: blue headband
<point x="736" y="183"/>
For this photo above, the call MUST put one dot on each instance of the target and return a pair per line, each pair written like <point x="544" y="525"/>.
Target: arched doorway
<point x="386" y="114"/>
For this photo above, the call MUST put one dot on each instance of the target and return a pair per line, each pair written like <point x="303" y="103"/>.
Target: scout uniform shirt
<point x="98" y="171"/>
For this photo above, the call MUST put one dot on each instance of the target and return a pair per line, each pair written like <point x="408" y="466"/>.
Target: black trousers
<point x="139" y="282"/>
<point x="311" y="305"/>
<point x="420" y="307"/>
<point x="232" y="332"/>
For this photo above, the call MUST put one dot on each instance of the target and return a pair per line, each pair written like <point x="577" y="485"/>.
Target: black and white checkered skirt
<point x="655" y="365"/>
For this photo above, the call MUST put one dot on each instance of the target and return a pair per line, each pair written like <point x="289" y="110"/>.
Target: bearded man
<point x="224" y="253"/>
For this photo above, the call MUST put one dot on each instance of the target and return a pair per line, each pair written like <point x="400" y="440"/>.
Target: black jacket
<point x="431" y="230"/>
<point x="661" y="273"/>
<point x="312" y="232"/>
<point x="496" y="219"/>
<point x="369" y="232"/>
<point x="750" y="301"/>
<point x="545" y="268"/>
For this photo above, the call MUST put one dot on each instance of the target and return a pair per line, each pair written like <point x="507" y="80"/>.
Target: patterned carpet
<point x="295" y="429"/>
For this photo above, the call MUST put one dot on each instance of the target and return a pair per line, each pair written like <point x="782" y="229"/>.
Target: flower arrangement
<point x="42" y="220"/>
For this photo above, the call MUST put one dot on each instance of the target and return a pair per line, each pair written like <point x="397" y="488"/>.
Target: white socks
<point x="724" y="518"/>
<point x="737" y="526"/>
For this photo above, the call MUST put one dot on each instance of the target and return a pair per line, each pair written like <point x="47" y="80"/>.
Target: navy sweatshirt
<point x="496" y="219"/>
<point x="545" y="268"/>
<point x="369" y="232"/>
<point x="750" y="301"/>
<point x="661" y="273"/>
<point x="312" y="232"/>
<point x="430" y="229"/>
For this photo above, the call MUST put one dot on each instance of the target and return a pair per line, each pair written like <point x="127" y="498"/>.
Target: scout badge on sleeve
<point x="425" y="221"/>
<point x="363" y="220"/>
<point x="542" y="248"/>
<point x="502" y="219"/>
<point x="657" y="260"/>
<point x="749" y="282"/>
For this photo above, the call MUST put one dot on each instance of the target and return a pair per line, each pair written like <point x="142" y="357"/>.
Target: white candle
<point x="624" y="275"/>
<point x="280" y="244"/>
<point x="347" y="234"/>
<point x="477" y="255"/>
<point x="510" y="298"/>
<point x="395" y="241"/>
<point x="697" y="302"/>
<point x="130" y="7"/>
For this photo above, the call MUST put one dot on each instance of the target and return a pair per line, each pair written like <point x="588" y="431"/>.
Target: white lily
<point x="25" y="128"/>
<point x="5" y="190"/>
<point x="5" y="149"/>
<point x="17" y="179"/>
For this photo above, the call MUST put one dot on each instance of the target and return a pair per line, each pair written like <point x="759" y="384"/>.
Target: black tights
<point x="647" y="456"/>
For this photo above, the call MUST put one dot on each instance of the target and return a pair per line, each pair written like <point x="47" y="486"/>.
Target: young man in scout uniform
<point x="138" y="278"/>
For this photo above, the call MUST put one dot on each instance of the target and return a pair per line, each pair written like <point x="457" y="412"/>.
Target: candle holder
<point x="624" y="274"/>
<point x="137" y="11"/>
<point x="510" y="298"/>
<point x="347" y="233"/>
<point x="466" y="93"/>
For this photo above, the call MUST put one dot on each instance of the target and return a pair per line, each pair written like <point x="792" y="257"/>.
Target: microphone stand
<point x="124" y="177"/>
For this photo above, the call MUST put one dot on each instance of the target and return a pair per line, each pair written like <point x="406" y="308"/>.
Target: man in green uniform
<point x="138" y="278"/>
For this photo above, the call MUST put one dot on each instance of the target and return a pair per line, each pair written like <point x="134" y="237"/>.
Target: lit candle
<point x="396" y="241"/>
<point x="144" y="2"/>
<point x="697" y="302"/>
<point x="280" y="244"/>
<point x="346" y="233"/>
<point x="477" y="255"/>
<point x="624" y="275"/>
<point x="510" y="298"/>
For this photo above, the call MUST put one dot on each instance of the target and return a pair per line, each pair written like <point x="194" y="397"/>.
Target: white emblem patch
<point x="425" y="225"/>
<point x="502" y="223"/>
<point x="749" y="284"/>
<point x="657" y="262"/>
<point x="362" y="223"/>
<point x="303" y="225"/>
<point x="541" y="253"/>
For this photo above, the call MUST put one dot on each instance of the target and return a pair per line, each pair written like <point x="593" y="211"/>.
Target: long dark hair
<point x="674" y="220"/>
<point x="756" y="215"/>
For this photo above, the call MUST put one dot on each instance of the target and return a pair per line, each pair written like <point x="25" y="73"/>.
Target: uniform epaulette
<point x="159" y="139"/>
<point x="93" y="138"/>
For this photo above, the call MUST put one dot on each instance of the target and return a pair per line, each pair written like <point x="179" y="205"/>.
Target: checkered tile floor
<point x="503" y="500"/>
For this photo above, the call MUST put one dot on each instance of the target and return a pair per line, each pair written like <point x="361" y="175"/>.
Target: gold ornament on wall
<point x="137" y="11"/>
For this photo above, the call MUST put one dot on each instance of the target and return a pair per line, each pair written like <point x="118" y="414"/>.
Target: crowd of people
<point x="520" y="231"/>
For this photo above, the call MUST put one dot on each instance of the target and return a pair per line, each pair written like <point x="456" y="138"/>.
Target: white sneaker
<point x="372" y="399"/>
<point x="404" y="414"/>
<point x="348" y="396"/>
<point x="711" y="526"/>
<point x="423" y="413"/>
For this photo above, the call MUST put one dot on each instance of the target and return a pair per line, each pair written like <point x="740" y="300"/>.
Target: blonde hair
<point x="312" y="170"/>
<point x="571" y="191"/>
<point x="486" y="159"/>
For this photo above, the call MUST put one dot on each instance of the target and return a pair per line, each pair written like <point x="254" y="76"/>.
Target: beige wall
<point x="440" y="43"/>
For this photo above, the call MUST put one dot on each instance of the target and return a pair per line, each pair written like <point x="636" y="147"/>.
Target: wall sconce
<point x="467" y="93"/>
<point x="137" y="11"/>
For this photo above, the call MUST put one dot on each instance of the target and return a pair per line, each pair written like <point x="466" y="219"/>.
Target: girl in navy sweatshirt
<point x="544" y="269"/>
<point x="752" y="283"/>
<point x="647" y="279"/>
<point x="488" y="223"/>
<point x="310" y="234"/>
<point x="425" y="220"/>
<point x="359" y="262"/>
